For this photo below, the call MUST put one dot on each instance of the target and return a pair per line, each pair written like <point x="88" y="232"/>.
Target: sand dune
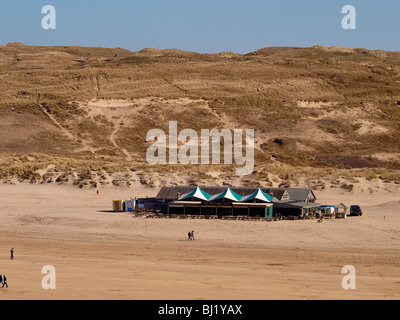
<point x="75" y="116"/>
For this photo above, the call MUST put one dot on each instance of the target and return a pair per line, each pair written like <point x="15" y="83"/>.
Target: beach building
<point x="229" y="201"/>
<point x="301" y="194"/>
<point x="279" y="194"/>
<point x="256" y="202"/>
<point x="294" y="202"/>
<point x="292" y="194"/>
<point x="167" y="194"/>
<point x="118" y="205"/>
<point x="341" y="211"/>
<point x="225" y="203"/>
<point x="148" y="203"/>
<point x="130" y="205"/>
<point x="233" y="201"/>
<point x="299" y="209"/>
<point x="328" y="210"/>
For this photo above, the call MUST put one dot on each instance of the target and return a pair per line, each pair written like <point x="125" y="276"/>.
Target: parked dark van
<point x="355" y="210"/>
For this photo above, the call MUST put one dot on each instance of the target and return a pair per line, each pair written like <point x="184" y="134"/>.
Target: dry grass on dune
<point x="312" y="107"/>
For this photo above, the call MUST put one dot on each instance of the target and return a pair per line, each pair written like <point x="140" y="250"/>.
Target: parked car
<point x="355" y="210"/>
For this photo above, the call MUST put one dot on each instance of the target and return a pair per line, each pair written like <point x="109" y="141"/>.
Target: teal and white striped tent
<point x="257" y="195"/>
<point x="196" y="194"/>
<point x="228" y="194"/>
<point x="226" y="203"/>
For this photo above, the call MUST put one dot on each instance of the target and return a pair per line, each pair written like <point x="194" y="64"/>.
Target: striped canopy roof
<point x="196" y="194"/>
<point x="228" y="194"/>
<point x="257" y="195"/>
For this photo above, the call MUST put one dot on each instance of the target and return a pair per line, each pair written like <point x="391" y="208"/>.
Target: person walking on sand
<point x="189" y="235"/>
<point x="1" y="279"/>
<point x="192" y="234"/>
<point x="5" y="282"/>
<point x="12" y="254"/>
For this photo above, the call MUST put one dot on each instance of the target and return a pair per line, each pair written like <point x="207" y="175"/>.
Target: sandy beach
<point x="244" y="100"/>
<point x="102" y="255"/>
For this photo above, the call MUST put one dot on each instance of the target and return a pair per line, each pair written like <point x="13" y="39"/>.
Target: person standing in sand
<point x="189" y="235"/>
<point x="12" y="254"/>
<point x="5" y="282"/>
<point x="192" y="234"/>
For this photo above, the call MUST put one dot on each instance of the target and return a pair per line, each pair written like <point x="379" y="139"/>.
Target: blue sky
<point x="202" y="26"/>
